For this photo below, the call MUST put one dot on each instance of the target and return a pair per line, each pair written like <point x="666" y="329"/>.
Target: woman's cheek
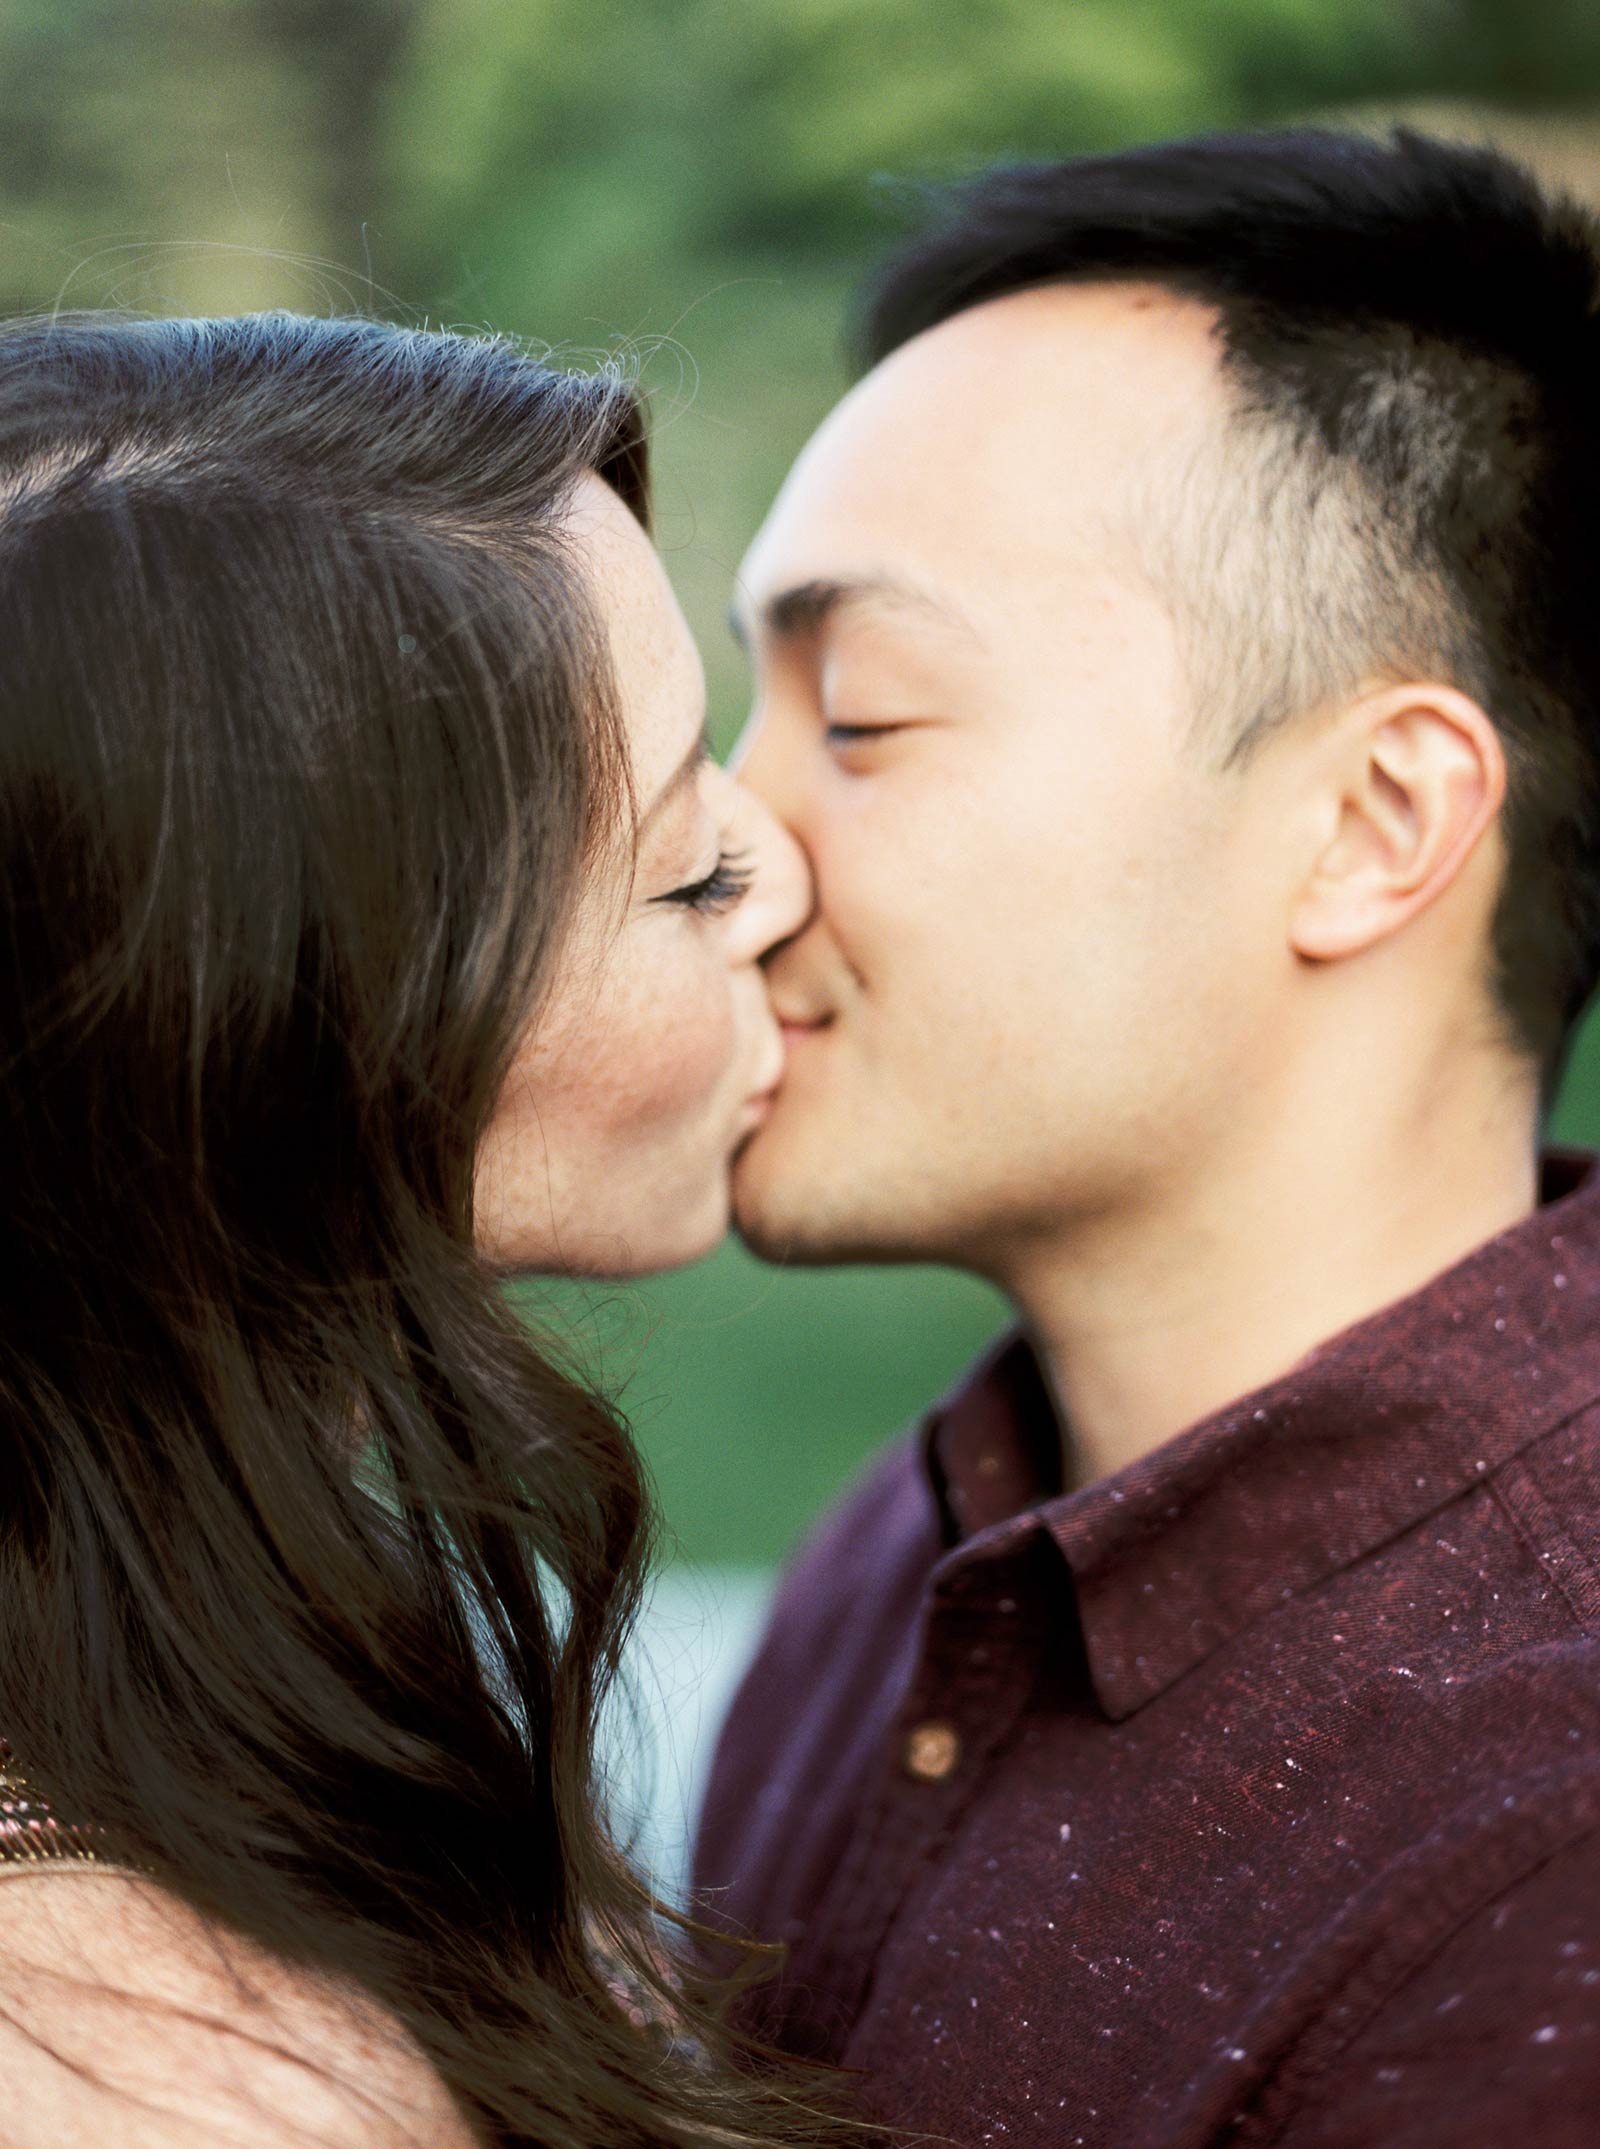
<point x="687" y="1046"/>
<point x="652" y="1044"/>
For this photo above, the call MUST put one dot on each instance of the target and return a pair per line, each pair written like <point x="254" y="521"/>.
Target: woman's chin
<point x="690" y="1234"/>
<point x="658" y="1254"/>
<point x="646" y="1239"/>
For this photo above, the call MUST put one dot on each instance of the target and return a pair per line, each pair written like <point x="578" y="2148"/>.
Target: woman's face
<point x="655" y="1054"/>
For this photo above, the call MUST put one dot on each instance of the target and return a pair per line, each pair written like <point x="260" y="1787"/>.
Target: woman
<point x="371" y="922"/>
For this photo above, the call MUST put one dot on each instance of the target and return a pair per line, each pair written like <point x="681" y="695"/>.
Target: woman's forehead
<point x="660" y="680"/>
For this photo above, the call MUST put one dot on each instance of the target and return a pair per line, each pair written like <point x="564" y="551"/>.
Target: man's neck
<point x="1148" y="1324"/>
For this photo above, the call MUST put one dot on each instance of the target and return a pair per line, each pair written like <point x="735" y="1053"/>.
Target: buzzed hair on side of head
<point x="1408" y="485"/>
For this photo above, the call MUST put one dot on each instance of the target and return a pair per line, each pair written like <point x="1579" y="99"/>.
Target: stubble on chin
<point x="800" y="1217"/>
<point x="780" y="1215"/>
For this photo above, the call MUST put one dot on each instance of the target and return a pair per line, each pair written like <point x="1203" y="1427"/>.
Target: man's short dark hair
<point x="1410" y="482"/>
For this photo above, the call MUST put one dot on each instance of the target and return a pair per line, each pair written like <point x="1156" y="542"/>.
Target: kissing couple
<point x="1161" y="876"/>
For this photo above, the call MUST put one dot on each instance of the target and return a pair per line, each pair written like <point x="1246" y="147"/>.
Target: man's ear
<point x="1419" y="774"/>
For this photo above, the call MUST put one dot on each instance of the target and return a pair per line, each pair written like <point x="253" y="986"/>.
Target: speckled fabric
<point x="1250" y="1795"/>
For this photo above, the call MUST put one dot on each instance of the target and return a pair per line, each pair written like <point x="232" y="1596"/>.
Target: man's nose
<point x="782" y="893"/>
<point x="788" y="878"/>
<point x="757" y="760"/>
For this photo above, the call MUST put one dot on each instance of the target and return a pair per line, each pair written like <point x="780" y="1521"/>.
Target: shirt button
<point x="932" y="1751"/>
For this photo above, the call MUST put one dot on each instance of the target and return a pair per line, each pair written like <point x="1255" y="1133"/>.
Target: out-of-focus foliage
<point x="611" y="143"/>
<point x="701" y="181"/>
<point x="589" y="171"/>
<point x="187" y="152"/>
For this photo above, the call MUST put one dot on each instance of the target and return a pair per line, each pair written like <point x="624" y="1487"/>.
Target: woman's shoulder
<point x="127" y="2021"/>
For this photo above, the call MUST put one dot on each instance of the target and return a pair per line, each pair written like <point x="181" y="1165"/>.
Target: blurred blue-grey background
<point x="700" y="182"/>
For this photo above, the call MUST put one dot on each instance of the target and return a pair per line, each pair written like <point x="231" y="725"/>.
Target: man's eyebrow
<point x="689" y="767"/>
<point x="803" y="609"/>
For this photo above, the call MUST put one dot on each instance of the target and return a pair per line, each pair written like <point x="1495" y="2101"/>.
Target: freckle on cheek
<point x="683" y="1065"/>
<point x="695" y="1068"/>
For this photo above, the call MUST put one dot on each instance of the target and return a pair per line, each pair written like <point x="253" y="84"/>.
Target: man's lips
<point x="794" y="1028"/>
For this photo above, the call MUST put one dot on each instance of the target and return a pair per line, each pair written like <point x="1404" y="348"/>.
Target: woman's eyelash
<point x="728" y="882"/>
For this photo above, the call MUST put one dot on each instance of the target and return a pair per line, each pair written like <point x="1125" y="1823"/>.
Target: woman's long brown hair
<point x="313" y="1566"/>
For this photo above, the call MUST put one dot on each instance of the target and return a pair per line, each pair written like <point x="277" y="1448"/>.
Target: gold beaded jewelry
<point x="30" y="1834"/>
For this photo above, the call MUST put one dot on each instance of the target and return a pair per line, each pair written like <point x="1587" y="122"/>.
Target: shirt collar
<point x="1370" y="1432"/>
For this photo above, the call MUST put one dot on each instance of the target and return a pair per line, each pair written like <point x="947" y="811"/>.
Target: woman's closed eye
<point x="725" y="886"/>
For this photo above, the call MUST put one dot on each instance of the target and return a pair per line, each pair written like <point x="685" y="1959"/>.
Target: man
<point x="1180" y="657"/>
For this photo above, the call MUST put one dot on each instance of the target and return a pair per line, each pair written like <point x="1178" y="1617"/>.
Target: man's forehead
<point x="1017" y="361"/>
<point x="1121" y="340"/>
<point x="1022" y="417"/>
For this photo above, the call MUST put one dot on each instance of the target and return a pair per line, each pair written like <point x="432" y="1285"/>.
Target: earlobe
<point x="1419" y="780"/>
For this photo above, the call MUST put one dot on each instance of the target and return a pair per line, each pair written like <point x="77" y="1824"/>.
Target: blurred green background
<point x="700" y="182"/>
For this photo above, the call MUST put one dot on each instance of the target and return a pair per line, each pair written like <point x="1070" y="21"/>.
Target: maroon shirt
<point x="1249" y="1795"/>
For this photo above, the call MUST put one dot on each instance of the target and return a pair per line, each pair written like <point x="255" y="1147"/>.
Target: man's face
<point x="1048" y="931"/>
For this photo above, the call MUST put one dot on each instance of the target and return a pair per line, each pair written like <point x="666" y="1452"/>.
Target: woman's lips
<point x="754" y="1111"/>
<point x="760" y="1102"/>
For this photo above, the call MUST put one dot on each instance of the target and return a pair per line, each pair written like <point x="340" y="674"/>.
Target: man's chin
<point x="800" y="1214"/>
<point x="780" y="1210"/>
